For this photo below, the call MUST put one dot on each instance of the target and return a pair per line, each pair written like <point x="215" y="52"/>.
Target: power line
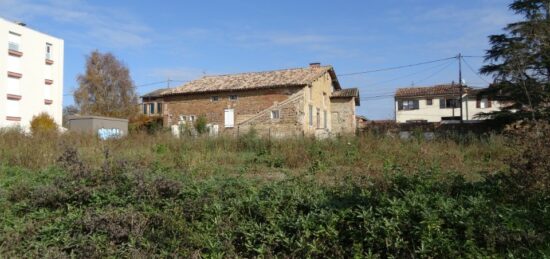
<point x="473" y="71"/>
<point x="161" y="82"/>
<point x="437" y="72"/>
<point x="470" y="56"/>
<point x="407" y="75"/>
<point x="397" y="67"/>
<point x="146" y="84"/>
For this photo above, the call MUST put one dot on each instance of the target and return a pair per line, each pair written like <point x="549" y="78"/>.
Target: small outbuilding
<point x="104" y="127"/>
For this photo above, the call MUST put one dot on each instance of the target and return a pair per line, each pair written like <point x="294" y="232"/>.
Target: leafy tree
<point x="106" y="88"/>
<point x="519" y="61"/>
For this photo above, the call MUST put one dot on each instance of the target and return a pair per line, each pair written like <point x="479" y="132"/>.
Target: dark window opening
<point x="408" y="105"/>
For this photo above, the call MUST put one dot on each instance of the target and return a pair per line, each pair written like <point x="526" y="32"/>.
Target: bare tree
<point x="68" y="111"/>
<point x="106" y="88"/>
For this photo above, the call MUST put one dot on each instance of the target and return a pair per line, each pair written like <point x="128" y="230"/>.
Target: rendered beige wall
<point x="433" y="113"/>
<point x="319" y="98"/>
<point x="33" y="69"/>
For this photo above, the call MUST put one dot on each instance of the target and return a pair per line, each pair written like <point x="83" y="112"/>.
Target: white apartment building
<point x="441" y="103"/>
<point x="31" y="76"/>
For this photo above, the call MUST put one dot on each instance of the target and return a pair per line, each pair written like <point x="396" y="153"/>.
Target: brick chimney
<point x="315" y="65"/>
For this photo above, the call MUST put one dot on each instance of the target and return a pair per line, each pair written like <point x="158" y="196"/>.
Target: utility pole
<point x="460" y="85"/>
<point x="168" y="82"/>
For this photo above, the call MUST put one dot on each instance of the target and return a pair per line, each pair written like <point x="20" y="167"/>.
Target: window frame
<point x="233" y="97"/>
<point x="214" y="98"/>
<point x="12" y="43"/>
<point x="159" y="108"/>
<point x="311" y="115"/>
<point x="452" y="103"/>
<point x="318" y="113"/>
<point x="151" y="108"/>
<point x="429" y="102"/>
<point x="275" y="112"/>
<point x="408" y="105"/>
<point x="229" y="124"/>
<point x="49" y="51"/>
<point x="325" y="122"/>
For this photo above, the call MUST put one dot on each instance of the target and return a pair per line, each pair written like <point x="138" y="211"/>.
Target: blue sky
<point x="184" y="40"/>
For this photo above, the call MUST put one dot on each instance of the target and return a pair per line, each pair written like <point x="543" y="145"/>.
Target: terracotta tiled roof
<point x="438" y="90"/>
<point x="254" y="80"/>
<point x="346" y="93"/>
<point x="156" y="93"/>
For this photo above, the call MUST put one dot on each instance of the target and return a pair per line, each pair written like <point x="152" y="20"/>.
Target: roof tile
<point x="253" y="80"/>
<point x="438" y="90"/>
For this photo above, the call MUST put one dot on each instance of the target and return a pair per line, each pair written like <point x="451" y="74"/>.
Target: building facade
<point x="32" y="70"/>
<point x="441" y="103"/>
<point x="304" y="101"/>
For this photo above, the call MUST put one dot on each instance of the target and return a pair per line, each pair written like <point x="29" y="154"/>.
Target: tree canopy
<point x="519" y="61"/>
<point x="106" y="88"/>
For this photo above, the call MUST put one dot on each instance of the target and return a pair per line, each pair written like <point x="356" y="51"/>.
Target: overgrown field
<point x="154" y="196"/>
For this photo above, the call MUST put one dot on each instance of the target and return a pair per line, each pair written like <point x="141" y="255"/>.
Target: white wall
<point x="31" y="86"/>
<point x="432" y="113"/>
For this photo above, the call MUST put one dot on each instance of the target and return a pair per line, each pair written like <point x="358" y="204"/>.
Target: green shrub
<point x="158" y="196"/>
<point x="144" y="123"/>
<point x="200" y="124"/>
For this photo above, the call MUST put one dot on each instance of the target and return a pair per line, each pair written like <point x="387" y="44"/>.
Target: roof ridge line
<point x="266" y="71"/>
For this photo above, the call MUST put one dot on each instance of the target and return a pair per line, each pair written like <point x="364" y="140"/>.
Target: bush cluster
<point x="43" y="124"/>
<point x="151" y="196"/>
<point x="119" y="210"/>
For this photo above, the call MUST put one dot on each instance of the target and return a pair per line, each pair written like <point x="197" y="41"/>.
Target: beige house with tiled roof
<point x="303" y="101"/>
<point x="441" y="103"/>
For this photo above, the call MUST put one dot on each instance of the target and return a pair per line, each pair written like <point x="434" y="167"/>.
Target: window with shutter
<point x="325" y="123"/>
<point x="229" y="118"/>
<point x="399" y="105"/>
<point x="310" y="115"/>
<point x="442" y="103"/>
<point x="478" y="102"/>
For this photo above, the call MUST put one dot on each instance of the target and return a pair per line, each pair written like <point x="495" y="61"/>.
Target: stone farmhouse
<point x="290" y="102"/>
<point x="442" y="103"/>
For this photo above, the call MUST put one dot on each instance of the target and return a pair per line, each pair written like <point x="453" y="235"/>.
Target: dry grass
<point x="205" y="157"/>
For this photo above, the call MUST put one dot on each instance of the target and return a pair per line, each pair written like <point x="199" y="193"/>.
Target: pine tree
<point x="106" y="88"/>
<point x="519" y="61"/>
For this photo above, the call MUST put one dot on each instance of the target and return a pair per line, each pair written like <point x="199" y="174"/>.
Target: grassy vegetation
<point x="146" y="196"/>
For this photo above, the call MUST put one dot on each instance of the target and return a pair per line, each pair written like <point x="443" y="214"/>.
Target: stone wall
<point x="343" y="116"/>
<point x="248" y="105"/>
<point x="289" y="123"/>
